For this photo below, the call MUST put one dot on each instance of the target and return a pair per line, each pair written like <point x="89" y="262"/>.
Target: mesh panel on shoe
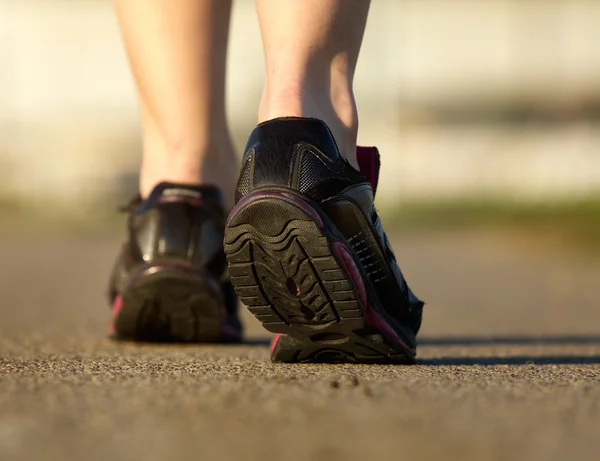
<point x="243" y="185"/>
<point x="314" y="172"/>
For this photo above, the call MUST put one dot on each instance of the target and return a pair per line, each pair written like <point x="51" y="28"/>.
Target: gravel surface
<point x="509" y="368"/>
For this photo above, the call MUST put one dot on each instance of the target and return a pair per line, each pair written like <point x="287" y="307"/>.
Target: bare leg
<point x="311" y="49"/>
<point x="177" y="50"/>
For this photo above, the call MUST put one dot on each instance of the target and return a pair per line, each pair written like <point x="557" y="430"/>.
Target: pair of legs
<point x="303" y="247"/>
<point x="177" y="50"/>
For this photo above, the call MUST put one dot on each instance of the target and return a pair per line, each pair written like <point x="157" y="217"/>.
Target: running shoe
<point x="170" y="282"/>
<point x="308" y="255"/>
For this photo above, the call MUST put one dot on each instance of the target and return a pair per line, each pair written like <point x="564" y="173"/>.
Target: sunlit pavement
<point x="509" y="368"/>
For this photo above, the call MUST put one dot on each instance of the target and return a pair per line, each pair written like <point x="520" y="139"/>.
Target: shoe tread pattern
<point x="284" y="271"/>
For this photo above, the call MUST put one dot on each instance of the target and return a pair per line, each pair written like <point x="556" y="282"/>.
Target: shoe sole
<point x="165" y="303"/>
<point x="299" y="277"/>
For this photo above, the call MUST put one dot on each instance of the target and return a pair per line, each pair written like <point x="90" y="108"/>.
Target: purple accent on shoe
<point x="345" y="258"/>
<point x="230" y="332"/>
<point x="372" y="318"/>
<point x="262" y="194"/>
<point x="367" y="162"/>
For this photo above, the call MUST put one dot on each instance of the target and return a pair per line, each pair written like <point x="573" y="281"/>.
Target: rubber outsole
<point x="286" y="267"/>
<point x="165" y="304"/>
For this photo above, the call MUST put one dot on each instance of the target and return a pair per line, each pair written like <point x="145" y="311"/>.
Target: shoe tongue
<point x="369" y="163"/>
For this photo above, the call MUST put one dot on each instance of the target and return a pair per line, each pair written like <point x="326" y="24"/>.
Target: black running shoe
<point x="307" y="253"/>
<point x="170" y="281"/>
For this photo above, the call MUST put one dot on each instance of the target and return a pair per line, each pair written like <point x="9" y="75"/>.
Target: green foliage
<point x="578" y="221"/>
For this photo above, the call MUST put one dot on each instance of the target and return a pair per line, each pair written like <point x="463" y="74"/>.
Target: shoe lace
<point x="132" y="205"/>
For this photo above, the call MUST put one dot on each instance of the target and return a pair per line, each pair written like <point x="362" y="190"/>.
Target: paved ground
<point x="509" y="368"/>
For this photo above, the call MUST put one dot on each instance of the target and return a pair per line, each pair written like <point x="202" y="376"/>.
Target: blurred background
<point x="498" y="100"/>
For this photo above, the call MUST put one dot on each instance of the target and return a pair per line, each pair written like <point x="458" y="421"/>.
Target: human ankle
<point x="183" y="163"/>
<point x="336" y="108"/>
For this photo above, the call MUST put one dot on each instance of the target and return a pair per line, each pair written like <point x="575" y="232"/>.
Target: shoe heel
<point x="163" y="303"/>
<point x="283" y="269"/>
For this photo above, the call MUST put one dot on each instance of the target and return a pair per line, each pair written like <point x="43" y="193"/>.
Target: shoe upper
<point x="300" y="154"/>
<point x="296" y="153"/>
<point x="179" y="225"/>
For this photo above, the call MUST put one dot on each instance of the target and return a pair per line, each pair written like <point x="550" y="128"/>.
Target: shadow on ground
<point x="515" y="360"/>
<point x="508" y="340"/>
<point x="520" y="359"/>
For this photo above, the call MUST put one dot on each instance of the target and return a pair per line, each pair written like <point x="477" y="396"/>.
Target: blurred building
<point x="498" y="97"/>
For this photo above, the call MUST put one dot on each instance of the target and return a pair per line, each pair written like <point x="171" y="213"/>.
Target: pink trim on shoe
<point x="276" y="338"/>
<point x="372" y="318"/>
<point x="367" y="162"/>
<point x="116" y="308"/>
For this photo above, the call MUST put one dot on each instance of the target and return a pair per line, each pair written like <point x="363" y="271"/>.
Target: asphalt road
<point x="509" y="368"/>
